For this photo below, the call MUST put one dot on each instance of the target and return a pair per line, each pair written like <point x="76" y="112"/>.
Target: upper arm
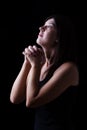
<point x="64" y="77"/>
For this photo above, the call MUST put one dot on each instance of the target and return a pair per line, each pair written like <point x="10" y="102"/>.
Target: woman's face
<point x="48" y="34"/>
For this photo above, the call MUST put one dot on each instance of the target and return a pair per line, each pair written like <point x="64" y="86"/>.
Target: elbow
<point x="12" y="99"/>
<point x="28" y="104"/>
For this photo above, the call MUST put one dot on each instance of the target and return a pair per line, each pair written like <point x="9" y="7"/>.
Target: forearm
<point x="19" y="86"/>
<point x="32" y="84"/>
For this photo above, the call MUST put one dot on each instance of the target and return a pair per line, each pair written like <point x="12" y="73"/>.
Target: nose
<point x="41" y="28"/>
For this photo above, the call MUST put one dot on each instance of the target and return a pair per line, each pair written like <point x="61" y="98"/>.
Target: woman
<point x="49" y="75"/>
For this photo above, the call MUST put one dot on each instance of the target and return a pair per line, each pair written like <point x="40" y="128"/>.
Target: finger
<point x="35" y="48"/>
<point x="23" y="53"/>
<point x="27" y="51"/>
<point x="31" y="49"/>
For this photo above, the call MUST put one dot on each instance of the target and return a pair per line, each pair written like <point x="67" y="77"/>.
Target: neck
<point x="50" y="55"/>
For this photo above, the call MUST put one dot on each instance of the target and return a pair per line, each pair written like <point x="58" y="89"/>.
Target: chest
<point x="43" y="73"/>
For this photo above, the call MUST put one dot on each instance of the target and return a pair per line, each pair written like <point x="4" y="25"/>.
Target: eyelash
<point x="46" y="26"/>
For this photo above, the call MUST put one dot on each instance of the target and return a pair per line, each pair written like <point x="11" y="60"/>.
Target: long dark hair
<point x="68" y="43"/>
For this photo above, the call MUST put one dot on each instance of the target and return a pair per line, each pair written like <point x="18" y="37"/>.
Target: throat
<point x="45" y="70"/>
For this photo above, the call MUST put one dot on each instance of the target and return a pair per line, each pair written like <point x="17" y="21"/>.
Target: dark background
<point x="19" y="24"/>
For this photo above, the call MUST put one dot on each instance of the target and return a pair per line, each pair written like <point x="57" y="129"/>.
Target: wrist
<point x="26" y="64"/>
<point x="36" y="66"/>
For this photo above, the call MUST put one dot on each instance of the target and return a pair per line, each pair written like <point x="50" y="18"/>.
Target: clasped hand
<point x="34" y="55"/>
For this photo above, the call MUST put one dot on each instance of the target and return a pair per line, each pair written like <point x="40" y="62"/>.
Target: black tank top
<point x="56" y="115"/>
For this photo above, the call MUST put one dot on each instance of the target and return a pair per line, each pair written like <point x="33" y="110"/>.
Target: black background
<point x="19" y="24"/>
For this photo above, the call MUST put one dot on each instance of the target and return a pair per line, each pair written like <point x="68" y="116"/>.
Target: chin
<point x="38" y="41"/>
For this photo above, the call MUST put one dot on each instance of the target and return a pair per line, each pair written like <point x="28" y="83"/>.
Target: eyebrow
<point x="50" y="24"/>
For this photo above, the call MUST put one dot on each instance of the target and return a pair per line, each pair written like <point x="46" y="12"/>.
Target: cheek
<point x="50" y="37"/>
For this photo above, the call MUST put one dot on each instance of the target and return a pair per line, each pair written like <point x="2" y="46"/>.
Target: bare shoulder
<point x="69" y="70"/>
<point x="64" y="77"/>
<point x="68" y="66"/>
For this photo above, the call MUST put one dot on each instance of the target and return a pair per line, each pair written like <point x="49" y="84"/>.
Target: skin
<point x="36" y="65"/>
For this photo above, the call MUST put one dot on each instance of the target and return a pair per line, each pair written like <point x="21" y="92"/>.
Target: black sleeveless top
<point x="56" y="115"/>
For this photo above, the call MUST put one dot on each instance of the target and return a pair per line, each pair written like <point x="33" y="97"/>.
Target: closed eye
<point x="44" y="27"/>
